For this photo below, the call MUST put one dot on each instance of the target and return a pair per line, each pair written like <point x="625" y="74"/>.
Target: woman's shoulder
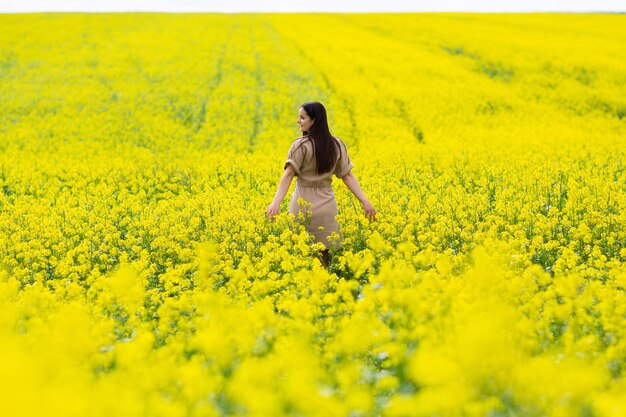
<point x="302" y="144"/>
<point x="340" y="142"/>
<point x="307" y="142"/>
<point x="302" y="140"/>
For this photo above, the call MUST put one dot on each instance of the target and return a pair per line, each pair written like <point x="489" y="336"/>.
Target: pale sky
<point x="233" y="6"/>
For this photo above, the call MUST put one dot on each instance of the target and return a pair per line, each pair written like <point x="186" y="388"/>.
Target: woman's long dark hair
<point x="325" y="145"/>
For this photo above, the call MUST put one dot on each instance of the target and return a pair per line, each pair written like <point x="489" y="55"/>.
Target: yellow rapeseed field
<point x="140" y="276"/>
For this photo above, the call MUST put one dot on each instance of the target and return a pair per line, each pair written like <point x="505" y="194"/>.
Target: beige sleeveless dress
<point x="319" y="215"/>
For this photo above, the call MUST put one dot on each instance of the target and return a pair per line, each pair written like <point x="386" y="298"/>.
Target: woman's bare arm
<point x="283" y="187"/>
<point x="285" y="182"/>
<point x="353" y="185"/>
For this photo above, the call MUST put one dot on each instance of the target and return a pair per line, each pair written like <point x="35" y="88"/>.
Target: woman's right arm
<point x="353" y="185"/>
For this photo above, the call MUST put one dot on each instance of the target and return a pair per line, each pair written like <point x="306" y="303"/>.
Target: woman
<point x="314" y="158"/>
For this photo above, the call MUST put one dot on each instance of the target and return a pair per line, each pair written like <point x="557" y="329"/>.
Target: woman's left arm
<point x="283" y="187"/>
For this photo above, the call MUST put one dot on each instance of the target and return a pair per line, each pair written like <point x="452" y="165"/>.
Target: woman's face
<point x="304" y="121"/>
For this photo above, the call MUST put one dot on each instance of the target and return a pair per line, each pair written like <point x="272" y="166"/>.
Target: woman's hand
<point x="272" y="210"/>
<point x="370" y="212"/>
